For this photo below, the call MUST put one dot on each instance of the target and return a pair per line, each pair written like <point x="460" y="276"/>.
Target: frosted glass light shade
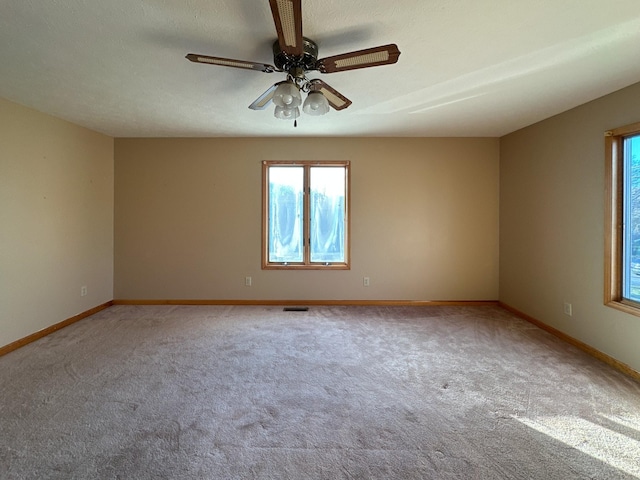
<point x="315" y="104"/>
<point x="286" y="113"/>
<point x="287" y="95"/>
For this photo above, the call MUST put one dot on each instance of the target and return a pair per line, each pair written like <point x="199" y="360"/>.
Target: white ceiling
<point x="467" y="68"/>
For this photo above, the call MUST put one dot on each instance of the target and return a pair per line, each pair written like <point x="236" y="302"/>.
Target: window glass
<point x="285" y="214"/>
<point x="305" y="215"/>
<point x="327" y="214"/>
<point x="631" y="215"/>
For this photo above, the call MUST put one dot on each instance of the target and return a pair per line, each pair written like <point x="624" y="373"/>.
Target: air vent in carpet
<point x="295" y="309"/>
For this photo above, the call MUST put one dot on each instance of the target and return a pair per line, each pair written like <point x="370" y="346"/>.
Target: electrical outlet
<point x="83" y="291"/>
<point x="247" y="281"/>
<point x="365" y="281"/>
<point x="568" y="309"/>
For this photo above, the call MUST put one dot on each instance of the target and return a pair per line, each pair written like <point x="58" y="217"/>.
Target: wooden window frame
<point x="306" y="264"/>
<point x="614" y="221"/>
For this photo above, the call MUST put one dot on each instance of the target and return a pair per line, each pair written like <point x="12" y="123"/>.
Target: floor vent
<point x="295" y="309"/>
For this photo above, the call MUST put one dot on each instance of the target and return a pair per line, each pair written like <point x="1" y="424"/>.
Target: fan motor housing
<point x="307" y="61"/>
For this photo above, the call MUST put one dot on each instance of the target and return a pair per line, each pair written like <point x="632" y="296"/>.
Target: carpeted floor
<point x="182" y="392"/>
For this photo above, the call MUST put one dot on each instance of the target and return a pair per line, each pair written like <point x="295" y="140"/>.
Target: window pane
<point x="285" y="214"/>
<point x="631" y="241"/>
<point x="327" y="227"/>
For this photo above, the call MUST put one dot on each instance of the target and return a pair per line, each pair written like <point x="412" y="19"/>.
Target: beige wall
<point x="56" y="217"/>
<point x="424" y="219"/>
<point x="552" y="224"/>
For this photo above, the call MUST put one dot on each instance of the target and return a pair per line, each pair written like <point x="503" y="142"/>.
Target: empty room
<point x="287" y="239"/>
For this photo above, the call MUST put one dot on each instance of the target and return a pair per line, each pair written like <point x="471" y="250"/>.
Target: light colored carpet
<point x="181" y="392"/>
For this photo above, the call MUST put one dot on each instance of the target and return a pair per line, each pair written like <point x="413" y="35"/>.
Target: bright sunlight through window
<point x="612" y="440"/>
<point x="305" y="215"/>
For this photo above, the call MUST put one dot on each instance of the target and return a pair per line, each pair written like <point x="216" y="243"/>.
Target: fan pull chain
<point x="295" y="123"/>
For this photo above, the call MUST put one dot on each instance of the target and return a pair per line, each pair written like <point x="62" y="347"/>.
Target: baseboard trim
<point x="376" y="303"/>
<point x="46" y="331"/>
<point x="594" y="352"/>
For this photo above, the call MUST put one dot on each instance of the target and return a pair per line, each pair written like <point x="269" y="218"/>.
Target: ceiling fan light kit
<point x="296" y="55"/>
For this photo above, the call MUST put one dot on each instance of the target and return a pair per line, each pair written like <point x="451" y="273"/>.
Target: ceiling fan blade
<point x="230" y="62"/>
<point x="287" y="16"/>
<point x="335" y="98"/>
<point x="264" y="100"/>
<point x="370" y="57"/>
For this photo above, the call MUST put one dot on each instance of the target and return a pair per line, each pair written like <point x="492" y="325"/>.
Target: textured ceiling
<point x="467" y="68"/>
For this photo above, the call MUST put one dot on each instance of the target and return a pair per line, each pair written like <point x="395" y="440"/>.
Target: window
<point x="305" y="215"/>
<point x="622" y="227"/>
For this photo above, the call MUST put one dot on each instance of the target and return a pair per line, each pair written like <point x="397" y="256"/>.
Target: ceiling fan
<point x="296" y="55"/>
